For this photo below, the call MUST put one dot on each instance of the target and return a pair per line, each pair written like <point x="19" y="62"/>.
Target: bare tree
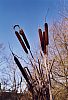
<point x="59" y="52"/>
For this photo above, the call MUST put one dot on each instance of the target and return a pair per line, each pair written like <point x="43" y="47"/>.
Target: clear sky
<point x="29" y="14"/>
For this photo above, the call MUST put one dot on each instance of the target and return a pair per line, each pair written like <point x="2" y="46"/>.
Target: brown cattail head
<point x="21" y="69"/>
<point x="40" y="34"/>
<point x="46" y="34"/>
<point x="21" y="42"/>
<point x="24" y="37"/>
<point x="42" y="40"/>
<point x="44" y="43"/>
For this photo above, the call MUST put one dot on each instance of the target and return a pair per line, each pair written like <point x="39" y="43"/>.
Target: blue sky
<point x="29" y="14"/>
